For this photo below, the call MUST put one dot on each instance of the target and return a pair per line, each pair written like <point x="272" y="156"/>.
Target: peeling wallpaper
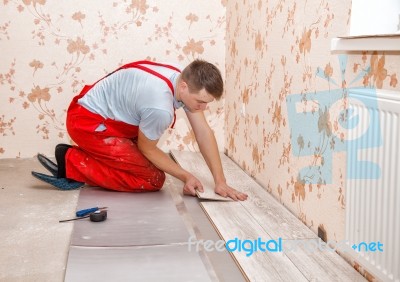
<point x="50" y="49"/>
<point x="277" y="51"/>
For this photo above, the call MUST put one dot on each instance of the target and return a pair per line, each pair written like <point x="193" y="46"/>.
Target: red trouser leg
<point x="105" y="160"/>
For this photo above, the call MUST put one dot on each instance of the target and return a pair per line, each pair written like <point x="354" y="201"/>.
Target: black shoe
<point x="60" y="152"/>
<point x="48" y="164"/>
<point x="60" y="183"/>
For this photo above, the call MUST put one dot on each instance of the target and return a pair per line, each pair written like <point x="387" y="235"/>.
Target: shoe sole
<point x="60" y="183"/>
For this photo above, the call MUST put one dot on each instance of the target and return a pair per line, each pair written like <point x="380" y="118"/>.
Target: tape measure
<point x="98" y="216"/>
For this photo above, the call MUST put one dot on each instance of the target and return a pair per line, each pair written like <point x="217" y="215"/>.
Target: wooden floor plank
<point x="195" y="164"/>
<point x="318" y="263"/>
<point x="261" y="215"/>
<point x="233" y="221"/>
<point x="277" y="220"/>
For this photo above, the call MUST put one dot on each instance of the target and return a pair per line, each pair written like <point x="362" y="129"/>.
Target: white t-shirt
<point x="136" y="97"/>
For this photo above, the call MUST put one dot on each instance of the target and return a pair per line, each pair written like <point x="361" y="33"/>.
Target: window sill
<point x="385" y="42"/>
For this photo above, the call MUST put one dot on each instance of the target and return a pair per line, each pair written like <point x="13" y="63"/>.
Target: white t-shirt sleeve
<point x="154" y="122"/>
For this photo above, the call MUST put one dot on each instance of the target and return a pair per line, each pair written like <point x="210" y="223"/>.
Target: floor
<point x="292" y="253"/>
<point x="148" y="236"/>
<point x="34" y="244"/>
<point x="36" y="247"/>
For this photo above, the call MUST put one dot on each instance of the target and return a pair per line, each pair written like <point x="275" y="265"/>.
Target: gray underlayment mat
<point x="147" y="263"/>
<point x="143" y="239"/>
<point x="133" y="219"/>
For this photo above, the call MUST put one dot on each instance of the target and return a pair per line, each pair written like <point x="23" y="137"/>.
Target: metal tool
<point x="95" y="214"/>
<point x="76" y="218"/>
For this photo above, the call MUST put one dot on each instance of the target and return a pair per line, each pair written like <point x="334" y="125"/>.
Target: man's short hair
<point x="201" y="74"/>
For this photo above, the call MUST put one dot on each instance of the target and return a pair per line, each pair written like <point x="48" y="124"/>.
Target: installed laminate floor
<point x="262" y="217"/>
<point x="197" y="169"/>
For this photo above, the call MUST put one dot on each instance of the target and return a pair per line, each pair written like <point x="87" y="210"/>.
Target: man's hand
<point x="225" y="190"/>
<point x="191" y="185"/>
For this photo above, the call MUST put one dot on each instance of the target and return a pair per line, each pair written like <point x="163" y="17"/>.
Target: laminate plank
<point x="318" y="263"/>
<point x="233" y="221"/>
<point x="277" y="220"/>
<point x="133" y="219"/>
<point x="141" y="263"/>
<point x="262" y="216"/>
<point x="195" y="164"/>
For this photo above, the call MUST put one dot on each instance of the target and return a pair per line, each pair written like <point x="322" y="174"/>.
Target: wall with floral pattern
<point x="278" y="50"/>
<point x="50" y="49"/>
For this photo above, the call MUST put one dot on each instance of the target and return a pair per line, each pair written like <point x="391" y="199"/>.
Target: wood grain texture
<point x="196" y="165"/>
<point x="262" y="216"/>
<point x="276" y="220"/>
<point x="232" y="221"/>
<point x="319" y="264"/>
<point x="306" y="262"/>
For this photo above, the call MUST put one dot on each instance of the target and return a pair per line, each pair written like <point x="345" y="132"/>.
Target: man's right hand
<point x="191" y="185"/>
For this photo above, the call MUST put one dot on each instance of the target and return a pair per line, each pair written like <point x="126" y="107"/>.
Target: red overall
<point x="110" y="158"/>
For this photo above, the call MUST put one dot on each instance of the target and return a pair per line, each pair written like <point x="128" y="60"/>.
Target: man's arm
<point x="150" y="150"/>
<point x="209" y="149"/>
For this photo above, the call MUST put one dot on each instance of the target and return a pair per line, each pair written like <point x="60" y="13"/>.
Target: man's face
<point x="196" y="101"/>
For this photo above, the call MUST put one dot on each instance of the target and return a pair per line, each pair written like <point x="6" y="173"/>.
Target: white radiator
<point x="373" y="195"/>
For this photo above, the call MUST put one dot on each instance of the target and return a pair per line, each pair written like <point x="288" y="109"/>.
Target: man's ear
<point x="183" y="84"/>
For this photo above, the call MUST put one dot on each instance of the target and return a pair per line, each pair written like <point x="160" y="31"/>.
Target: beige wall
<point x="50" y="49"/>
<point x="276" y="49"/>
